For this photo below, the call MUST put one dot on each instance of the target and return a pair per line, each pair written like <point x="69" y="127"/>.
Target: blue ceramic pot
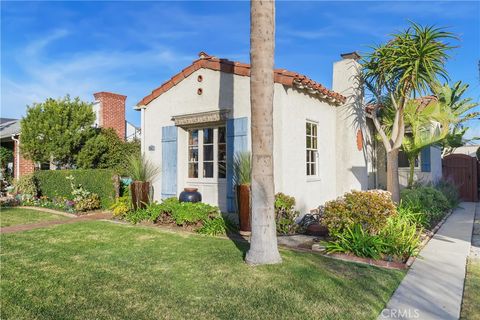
<point x="190" y="195"/>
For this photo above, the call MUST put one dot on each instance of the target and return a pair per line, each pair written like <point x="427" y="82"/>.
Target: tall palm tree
<point x="404" y="68"/>
<point x="263" y="242"/>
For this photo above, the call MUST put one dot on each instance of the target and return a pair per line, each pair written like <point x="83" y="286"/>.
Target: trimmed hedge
<point x="52" y="183"/>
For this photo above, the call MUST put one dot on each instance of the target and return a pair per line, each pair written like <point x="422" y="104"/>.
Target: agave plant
<point x="242" y="168"/>
<point x="142" y="169"/>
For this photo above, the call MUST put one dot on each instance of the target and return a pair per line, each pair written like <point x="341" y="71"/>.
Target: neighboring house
<point x="428" y="166"/>
<point x="109" y="109"/>
<point x="194" y="123"/>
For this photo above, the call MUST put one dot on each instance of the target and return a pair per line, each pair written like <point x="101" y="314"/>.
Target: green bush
<point x="204" y="218"/>
<point x="369" y="209"/>
<point x="215" y="226"/>
<point x="285" y="214"/>
<point x="450" y="191"/>
<point x="90" y="202"/>
<point x="106" y="150"/>
<point x="426" y="201"/>
<point x="121" y="206"/>
<point x="53" y="183"/>
<point x="397" y="241"/>
<point x="354" y="239"/>
<point x="400" y="237"/>
<point x="27" y="186"/>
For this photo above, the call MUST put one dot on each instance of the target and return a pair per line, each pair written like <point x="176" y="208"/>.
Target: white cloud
<point x="82" y="74"/>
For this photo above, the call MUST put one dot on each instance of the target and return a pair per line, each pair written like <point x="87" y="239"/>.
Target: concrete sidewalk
<point x="433" y="287"/>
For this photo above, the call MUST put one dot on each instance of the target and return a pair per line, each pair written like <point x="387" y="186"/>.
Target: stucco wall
<point x="309" y="191"/>
<point x="292" y="109"/>
<point x="350" y="118"/>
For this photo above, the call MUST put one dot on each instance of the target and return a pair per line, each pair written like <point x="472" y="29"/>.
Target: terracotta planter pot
<point x="243" y="205"/>
<point x="140" y="191"/>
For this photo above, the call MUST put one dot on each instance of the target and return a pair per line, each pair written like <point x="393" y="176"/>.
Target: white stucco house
<point x="194" y="123"/>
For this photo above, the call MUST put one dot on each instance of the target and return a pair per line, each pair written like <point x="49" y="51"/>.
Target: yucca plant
<point x="142" y="169"/>
<point x="242" y="168"/>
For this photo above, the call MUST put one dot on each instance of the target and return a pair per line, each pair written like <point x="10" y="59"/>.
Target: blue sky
<point x="49" y="49"/>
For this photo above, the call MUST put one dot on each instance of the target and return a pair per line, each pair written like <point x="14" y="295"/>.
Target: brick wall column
<point x="21" y="166"/>
<point x="112" y="112"/>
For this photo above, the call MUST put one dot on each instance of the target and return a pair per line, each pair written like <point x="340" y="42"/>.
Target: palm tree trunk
<point x="393" y="184"/>
<point x="263" y="242"/>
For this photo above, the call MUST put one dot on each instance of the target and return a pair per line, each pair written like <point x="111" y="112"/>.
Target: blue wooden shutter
<point x="169" y="162"/>
<point x="237" y="141"/>
<point x="425" y="159"/>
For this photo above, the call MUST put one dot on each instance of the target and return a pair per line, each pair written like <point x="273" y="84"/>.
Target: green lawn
<point x="471" y="295"/>
<point x="17" y="216"/>
<point x="102" y="270"/>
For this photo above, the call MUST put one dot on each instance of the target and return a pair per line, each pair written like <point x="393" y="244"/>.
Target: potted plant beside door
<point x="242" y="178"/>
<point x="142" y="172"/>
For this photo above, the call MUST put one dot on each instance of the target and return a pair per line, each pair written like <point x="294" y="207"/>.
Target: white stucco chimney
<point x="351" y="125"/>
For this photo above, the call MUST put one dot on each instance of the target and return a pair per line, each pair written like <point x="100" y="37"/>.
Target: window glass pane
<point x="314" y="143"/>
<point x="222" y="152"/>
<point x="309" y="129"/>
<point x="208" y="169"/>
<point x="314" y="130"/>
<point x="207" y="135"/>
<point x="193" y="170"/>
<point x="222" y="169"/>
<point x="208" y="153"/>
<point x="221" y="135"/>
<point x="193" y="137"/>
<point x="402" y="160"/>
<point x="309" y="142"/>
<point x="193" y="154"/>
<point x="312" y="169"/>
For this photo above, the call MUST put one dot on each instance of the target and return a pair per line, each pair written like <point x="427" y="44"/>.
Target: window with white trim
<point x="312" y="148"/>
<point x="207" y="153"/>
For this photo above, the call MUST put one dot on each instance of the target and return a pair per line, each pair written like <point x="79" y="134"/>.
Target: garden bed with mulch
<point x="309" y="243"/>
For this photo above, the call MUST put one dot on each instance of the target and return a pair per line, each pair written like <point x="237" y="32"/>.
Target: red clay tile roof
<point x="285" y="77"/>
<point x="422" y="103"/>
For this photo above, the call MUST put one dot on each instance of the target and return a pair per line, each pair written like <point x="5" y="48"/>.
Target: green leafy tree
<point x="6" y="156"/>
<point x="56" y="130"/>
<point x="463" y="111"/>
<point x="407" y="66"/>
<point x="107" y="150"/>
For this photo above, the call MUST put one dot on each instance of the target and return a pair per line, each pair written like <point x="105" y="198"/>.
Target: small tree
<point x="107" y="150"/>
<point x="55" y="130"/>
<point x="405" y="67"/>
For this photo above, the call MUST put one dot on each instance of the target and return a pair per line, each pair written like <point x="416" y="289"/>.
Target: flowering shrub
<point x="9" y="202"/>
<point x="26" y="187"/>
<point x="122" y="206"/>
<point x="285" y="214"/>
<point x="370" y="209"/>
<point x="83" y="199"/>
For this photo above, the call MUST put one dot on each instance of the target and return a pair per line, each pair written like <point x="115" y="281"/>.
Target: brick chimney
<point x="111" y="113"/>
